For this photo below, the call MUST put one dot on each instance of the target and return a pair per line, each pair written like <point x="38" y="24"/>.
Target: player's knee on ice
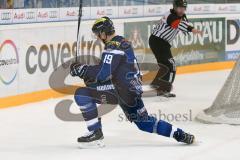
<point x="139" y="115"/>
<point x="152" y="125"/>
<point x="146" y="125"/>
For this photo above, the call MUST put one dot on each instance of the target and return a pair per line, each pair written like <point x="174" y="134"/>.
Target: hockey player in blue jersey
<point x="116" y="80"/>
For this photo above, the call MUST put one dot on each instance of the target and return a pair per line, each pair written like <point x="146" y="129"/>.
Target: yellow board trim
<point x="22" y="99"/>
<point x="215" y="66"/>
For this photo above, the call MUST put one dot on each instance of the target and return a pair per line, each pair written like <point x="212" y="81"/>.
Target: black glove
<point x="78" y="69"/>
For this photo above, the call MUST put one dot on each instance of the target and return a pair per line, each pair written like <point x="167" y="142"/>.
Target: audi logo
<point x="6" y="16"/>
<point x="53" y="14"/>
<point x="30" y="15"/>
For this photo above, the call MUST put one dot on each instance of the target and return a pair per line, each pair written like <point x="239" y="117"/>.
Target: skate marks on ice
<point x="146" y="141"/>
<point x="207" y="150"/>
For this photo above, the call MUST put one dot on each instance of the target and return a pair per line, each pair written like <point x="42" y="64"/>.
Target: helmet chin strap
<point x="104" y="40"/>
<point x="99" y="37"/>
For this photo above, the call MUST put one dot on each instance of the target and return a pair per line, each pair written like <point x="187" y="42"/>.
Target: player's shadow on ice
<point x="126" y="143"/>
<point x="147" y="145"/>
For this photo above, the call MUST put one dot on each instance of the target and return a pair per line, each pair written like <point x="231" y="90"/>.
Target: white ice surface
<point x="33" y="132"/>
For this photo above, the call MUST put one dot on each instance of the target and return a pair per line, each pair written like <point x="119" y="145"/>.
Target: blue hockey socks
<point x="89" y="109"/>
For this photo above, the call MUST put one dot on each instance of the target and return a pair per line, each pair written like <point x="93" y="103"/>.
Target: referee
<point x="163" y="34"/>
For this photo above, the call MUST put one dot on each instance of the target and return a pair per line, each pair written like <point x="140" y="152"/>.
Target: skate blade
<point x="167" y="95"/>
<point x="196" y="142"/>
<point x="92" y="145"/>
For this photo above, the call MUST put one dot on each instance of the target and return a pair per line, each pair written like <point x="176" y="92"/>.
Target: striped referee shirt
<point x="170" y="25"/>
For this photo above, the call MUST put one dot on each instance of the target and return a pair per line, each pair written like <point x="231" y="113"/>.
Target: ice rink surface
<point x="33" y="132"/>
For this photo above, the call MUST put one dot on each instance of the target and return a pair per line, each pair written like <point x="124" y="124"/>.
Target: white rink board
<point x="58" y="40"/>
<point x="41" y="48"/>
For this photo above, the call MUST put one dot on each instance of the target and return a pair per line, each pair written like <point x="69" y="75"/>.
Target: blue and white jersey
<point x="118" y="67"/>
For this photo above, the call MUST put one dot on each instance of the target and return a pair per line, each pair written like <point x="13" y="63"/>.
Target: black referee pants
<point x="167" y="71"/>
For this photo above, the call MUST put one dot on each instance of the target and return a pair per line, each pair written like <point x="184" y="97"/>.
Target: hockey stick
<point x="79" y="25"/>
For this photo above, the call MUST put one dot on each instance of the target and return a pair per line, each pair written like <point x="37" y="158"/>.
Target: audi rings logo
<point x="6" y="16"/>
<point x="9" y="60"/>
<point x="53" y="14"/>
<point x="30" y="15"/>
<point x="48" y="14"/>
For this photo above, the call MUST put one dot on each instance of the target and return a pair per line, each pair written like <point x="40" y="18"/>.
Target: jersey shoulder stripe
<point x="114" y="51"/>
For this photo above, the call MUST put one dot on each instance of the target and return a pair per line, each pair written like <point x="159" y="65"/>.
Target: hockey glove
<point x="78" y="69"/>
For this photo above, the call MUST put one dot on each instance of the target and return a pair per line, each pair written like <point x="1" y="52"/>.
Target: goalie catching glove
<point x="78" y="69"/>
